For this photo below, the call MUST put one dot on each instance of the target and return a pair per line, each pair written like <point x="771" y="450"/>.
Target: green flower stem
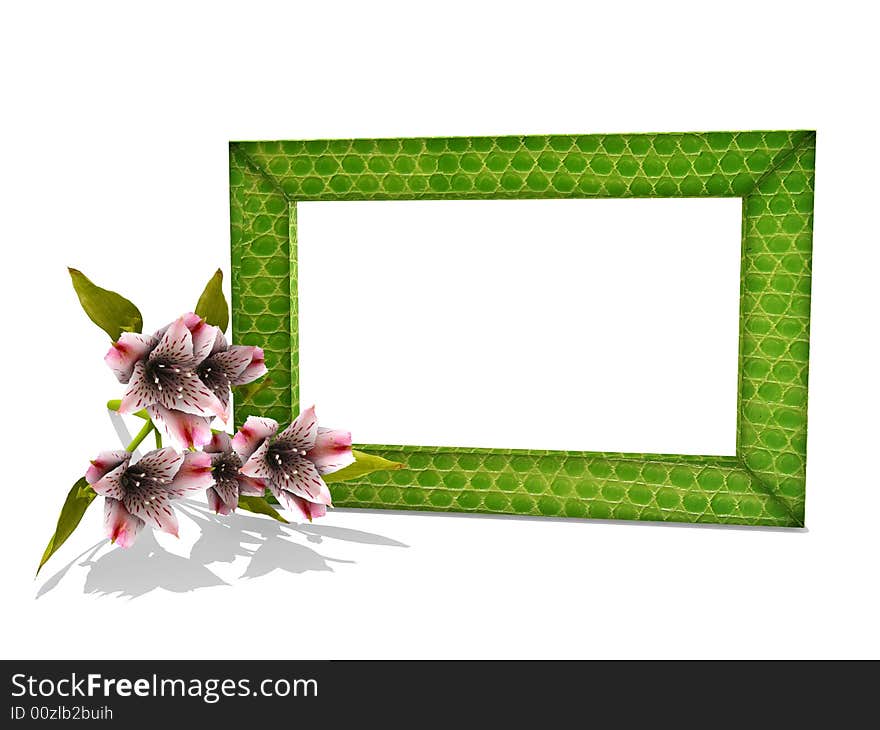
<point x="142" y="434"/>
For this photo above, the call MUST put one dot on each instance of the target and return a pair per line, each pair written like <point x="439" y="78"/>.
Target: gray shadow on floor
<point x="144" y="567"/>
<point x="265" y="544"/>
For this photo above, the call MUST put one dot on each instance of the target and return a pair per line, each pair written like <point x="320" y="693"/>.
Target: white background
<point x="584" y="325"/>
<point x="115" y="125"/>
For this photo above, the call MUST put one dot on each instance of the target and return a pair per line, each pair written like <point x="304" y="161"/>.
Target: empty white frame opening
<point x="589" y="325"/>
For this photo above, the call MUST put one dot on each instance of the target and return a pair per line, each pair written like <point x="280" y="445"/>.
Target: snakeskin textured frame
<point x="773" y="173"/>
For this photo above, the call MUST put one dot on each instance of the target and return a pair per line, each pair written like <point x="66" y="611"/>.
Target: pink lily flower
<point x="291" y="463"/>
<point x="160" y="373"/>
<point x="224" y="367"/>
<point x="141" y="493"/>
<point x="227" y="365"/>
<point x="229" y="482"/>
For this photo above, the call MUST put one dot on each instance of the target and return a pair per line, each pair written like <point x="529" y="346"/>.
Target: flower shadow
<point x="52" y="583"/>
<point x="144" y="567"/>
<point x="265" y="544"/>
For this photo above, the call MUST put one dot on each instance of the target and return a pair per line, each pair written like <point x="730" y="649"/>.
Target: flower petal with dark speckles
<point x="120" y="525"/>
<point x="304" y="481"/>
<point x="154" y="509"/>
<point x="159" y="465"/>
<point x="110" y="485"/>
<point x="302" y="433"/>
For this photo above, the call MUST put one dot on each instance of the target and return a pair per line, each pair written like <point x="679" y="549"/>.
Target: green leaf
<point x="259" y="505"/>
<point x="212" y="306"/>
<point x="78" y="499"/>
<point x="112" y="312"/>
<point x="363" y="464"/>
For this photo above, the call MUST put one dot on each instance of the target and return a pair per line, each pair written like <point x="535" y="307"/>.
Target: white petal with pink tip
<point x="254" y="431"/>
<point x="110" y="485"/>
<point x="203" y="335"/>
<point x="194" y="474"/>
<point x="228" y="493"/>
<point x="250" y="486"/>
<point x="255" y="368"/>
<point x="302" y="507"/>
<point x="186" y="429"/>
<point x="216" y="504"/>
<point x="105" y="462"/>
<point x="126" y="351"/>
<point x="120" y="525"/>
<point x="332" y="450"/>
<point x="256" y="465"/>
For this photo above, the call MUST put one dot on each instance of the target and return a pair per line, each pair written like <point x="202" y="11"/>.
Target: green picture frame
<point x="772" y="171"/>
